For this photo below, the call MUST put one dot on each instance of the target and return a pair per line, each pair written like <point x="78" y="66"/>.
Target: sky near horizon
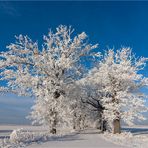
<point x="110" y="24"/>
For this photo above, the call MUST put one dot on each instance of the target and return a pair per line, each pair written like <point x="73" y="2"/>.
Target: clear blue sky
<point x="111" y="24"/>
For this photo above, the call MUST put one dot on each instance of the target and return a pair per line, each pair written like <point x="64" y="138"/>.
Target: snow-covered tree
<point x="120" y="82"/>
<point x="64" y="94"/>
<point x="81" y="113"/>
<point x="91" y="98"/>
<point x="45" y="73"/>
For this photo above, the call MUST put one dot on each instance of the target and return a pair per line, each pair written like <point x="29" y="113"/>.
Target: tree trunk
<point x="53" y="131"/>
<point x="74" y="121"/>
<point x="103" y="123"/>
<point x="116" y="126"/>
<point x="54" y="113"/>
<point x="103" y="126"/>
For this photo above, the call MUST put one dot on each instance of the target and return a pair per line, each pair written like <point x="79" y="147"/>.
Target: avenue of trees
<point x="68" y="93"/>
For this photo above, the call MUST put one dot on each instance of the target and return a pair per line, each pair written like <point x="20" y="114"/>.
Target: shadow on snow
<point x="136" y="131"/>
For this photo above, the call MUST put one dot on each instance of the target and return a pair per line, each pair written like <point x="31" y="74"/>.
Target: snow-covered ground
<point x="5" y="130"/>
<point x="86" y="139"/>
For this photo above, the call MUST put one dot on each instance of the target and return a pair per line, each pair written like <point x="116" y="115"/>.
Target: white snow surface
<point x="138" y="138"/>
<point x="86" y="139"/>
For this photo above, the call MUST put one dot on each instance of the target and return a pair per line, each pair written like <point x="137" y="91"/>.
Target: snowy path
<point x="83" y="140"/>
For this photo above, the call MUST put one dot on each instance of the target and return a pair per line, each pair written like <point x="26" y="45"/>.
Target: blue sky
<point x="111" y="24"/>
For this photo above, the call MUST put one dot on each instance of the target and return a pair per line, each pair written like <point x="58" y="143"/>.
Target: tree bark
<point x="103" y="126"/>
<point x="54" y="124"/>
<point x="116" y="126"/>
<point x="53" y="131"/>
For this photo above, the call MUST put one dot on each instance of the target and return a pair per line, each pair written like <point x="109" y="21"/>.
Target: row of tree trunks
<point x="103" y="127"/>
<point x="116" y="126"/>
